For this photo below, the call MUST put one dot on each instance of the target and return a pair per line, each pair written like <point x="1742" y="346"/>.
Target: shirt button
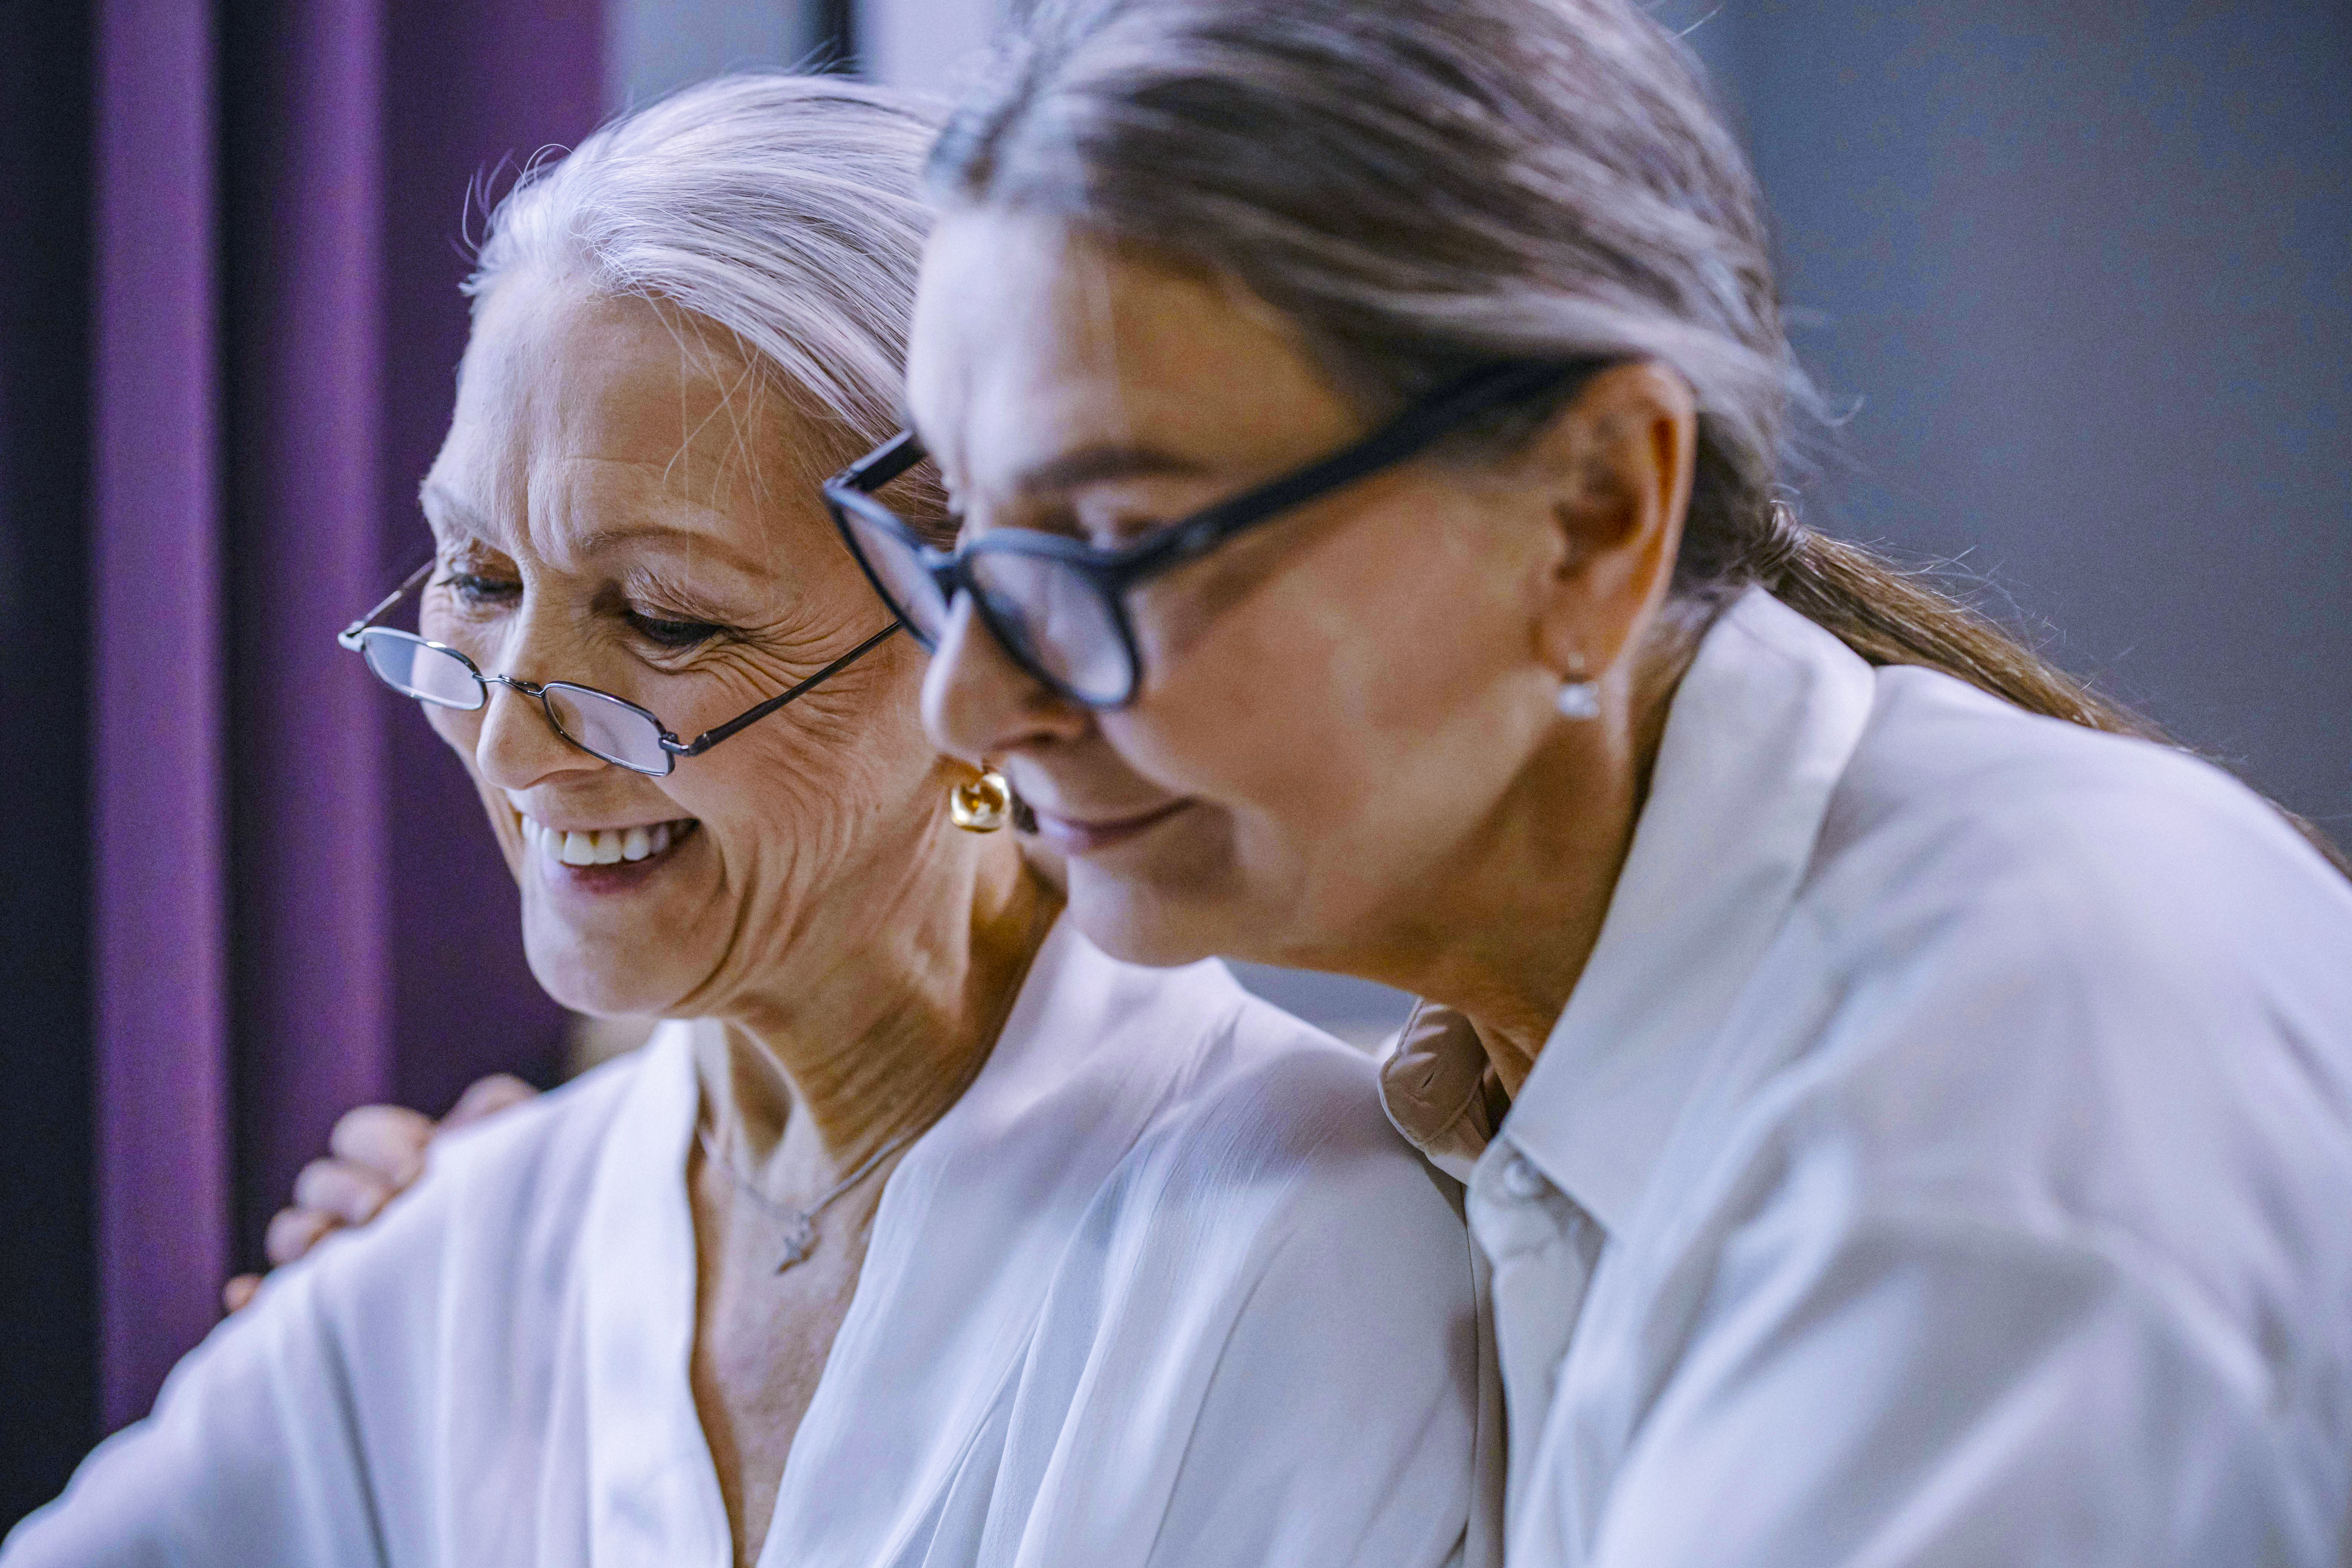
<point x="1521" y="1179"/>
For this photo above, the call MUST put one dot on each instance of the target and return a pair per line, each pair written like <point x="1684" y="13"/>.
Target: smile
<point x="604" y="846"/>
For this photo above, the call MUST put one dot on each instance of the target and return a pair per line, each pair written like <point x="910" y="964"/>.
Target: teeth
<point x="599" y="846"/>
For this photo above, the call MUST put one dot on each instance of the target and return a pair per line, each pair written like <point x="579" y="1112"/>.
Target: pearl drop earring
<point x="1580" y="698"/>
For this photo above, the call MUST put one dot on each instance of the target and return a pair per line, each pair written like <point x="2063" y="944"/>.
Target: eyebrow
<point x="599" y="539"/>
<point x="441" y="498"/>
<point x="1101" y="464"/>
<point x="457" y="513"/>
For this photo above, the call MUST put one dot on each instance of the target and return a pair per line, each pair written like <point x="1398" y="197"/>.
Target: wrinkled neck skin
<point x="878" y="1010"/>
<point x="1504" y="930"/>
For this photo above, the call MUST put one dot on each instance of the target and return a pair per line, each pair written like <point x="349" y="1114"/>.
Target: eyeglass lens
<point x="604" y="726"/>
<point x="1052" y="613"/>
<point x="608" y="726"/>
<point x="1058" y="618"/>
<point x="417" y="670"/>
<point x="913" y="597"/>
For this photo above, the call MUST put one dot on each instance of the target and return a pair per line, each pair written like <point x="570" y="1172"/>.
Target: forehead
<point x="1031" y="340"/>
<point x="566" y="392"/>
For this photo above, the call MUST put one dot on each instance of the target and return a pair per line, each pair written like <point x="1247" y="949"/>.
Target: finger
<point x="239" y="1290"/>
<point x="486" y="1097"/>
<point x="386" y="1140"/>
<point x="293" y="1232"/>
<point x="345" y="1192"/>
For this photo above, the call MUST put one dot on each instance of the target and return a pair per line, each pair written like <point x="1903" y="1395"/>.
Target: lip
<point x="1073" y="836"/>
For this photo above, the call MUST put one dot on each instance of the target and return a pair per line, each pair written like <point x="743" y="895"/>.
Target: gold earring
<point x="981" y="806"/>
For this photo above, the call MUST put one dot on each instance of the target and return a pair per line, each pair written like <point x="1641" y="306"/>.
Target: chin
<point x="1139" y="925"/>
<point x="586" y="978"/>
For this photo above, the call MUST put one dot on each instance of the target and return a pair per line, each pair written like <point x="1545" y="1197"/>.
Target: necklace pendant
<point x="799" y="1242"/>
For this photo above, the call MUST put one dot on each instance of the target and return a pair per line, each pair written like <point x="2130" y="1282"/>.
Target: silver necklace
<point x="800" y="1224"/>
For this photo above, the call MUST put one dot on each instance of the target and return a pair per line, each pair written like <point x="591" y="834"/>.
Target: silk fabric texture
<point x="1162" y="1288"/>
<point x="1946" y="1156"/>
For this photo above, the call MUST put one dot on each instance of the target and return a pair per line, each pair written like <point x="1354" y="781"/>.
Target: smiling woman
<point x="928" y="1234"/>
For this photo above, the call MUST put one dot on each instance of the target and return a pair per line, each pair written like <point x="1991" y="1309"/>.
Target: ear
<point x="1615" y="468"/>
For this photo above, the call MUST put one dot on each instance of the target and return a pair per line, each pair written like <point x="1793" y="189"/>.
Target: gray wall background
<point x="2081" y="271"/>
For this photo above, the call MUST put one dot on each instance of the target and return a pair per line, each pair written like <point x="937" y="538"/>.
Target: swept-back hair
<point x="787" y="210"/>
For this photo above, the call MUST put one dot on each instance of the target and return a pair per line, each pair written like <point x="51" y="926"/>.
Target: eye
<point x="664" y="632"/>
<point x="476" y="589"/>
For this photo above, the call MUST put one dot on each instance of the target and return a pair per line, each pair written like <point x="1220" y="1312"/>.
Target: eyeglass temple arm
<point x="882" y="465"/>
<point x="350" y="635"/>
<point x="710" y="738"/>
<point x="1419" y="426"/>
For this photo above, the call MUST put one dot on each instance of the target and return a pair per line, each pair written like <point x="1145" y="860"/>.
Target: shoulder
<point x="2070" y="989"/>
<point x="1961" y="816"/>
<point x="495" y="1216"/>
<point x="1261" y="1329"/>
<point x="1274" y="1099"/>
<point x="2078" y="907"/>
<point x="1274" y="1141"/>
<point x="550" y="1143"/>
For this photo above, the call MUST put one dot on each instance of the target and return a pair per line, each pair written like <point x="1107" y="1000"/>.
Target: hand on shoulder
<point x="376" y="1154"/>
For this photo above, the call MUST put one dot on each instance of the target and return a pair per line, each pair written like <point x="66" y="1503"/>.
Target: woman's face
<point x="622" y="504"/>
<point x="1336" y="707"/>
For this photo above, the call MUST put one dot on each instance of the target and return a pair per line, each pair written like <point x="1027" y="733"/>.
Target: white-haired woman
<point x="944" y="1240"/>
<point x="1908" y="1121"/>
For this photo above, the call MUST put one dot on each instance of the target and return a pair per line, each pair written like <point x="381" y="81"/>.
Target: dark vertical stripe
<point x="48" y="1410"/>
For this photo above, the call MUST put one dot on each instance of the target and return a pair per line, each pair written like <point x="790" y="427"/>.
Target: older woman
<point x="944" y="1238"/>
<point x="1905" y="1123"/>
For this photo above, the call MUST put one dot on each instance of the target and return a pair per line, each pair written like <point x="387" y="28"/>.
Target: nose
<point x="517" y="748"/>
<point x="977" y="702"/>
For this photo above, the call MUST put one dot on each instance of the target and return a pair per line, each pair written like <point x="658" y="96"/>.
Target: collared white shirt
<point x="1162" y="1288"/>
<point x="1946" y="1156"/>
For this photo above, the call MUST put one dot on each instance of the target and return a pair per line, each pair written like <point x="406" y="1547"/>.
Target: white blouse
<point x="1162" y="1288"/>
<point x="1945" y="1158"/>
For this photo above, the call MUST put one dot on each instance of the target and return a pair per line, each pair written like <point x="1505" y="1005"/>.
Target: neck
<point x="1506" y="931"/>
<point x="870" y="1031"/>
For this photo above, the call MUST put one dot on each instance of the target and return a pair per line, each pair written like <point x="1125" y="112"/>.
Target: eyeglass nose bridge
<point x="529" y="689"/>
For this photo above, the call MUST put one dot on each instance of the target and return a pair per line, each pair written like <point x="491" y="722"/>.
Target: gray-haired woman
<point x="942" y="1238"/>
<point x="1909" y="1119"/>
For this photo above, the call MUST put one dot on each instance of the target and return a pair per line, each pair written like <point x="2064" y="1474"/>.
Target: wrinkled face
<point x="622" y="505"/>
<point x="1334" y="705"/>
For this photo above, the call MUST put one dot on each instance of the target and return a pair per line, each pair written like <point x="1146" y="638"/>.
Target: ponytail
<point x="1891" y="615"/>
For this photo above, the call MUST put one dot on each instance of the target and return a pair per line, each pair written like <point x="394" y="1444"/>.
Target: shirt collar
<point x="1440" y="1091"/>
<point x="1759" y="732"/>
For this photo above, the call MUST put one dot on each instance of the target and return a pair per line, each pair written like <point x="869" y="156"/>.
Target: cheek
<point x="1300" y="696"/>
<point x="804" y="795"/>
<point x="457" y="727"/>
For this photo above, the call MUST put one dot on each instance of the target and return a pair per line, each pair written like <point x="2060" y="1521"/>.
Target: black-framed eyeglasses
<point x="599" y="723"/>
<point x="1058" y="606"/>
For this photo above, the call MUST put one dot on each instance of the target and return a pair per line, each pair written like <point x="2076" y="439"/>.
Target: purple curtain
<point x="297" y="905"/>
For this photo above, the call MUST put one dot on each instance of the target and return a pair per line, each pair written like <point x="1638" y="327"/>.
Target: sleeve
<point x="250" y="1459"/>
